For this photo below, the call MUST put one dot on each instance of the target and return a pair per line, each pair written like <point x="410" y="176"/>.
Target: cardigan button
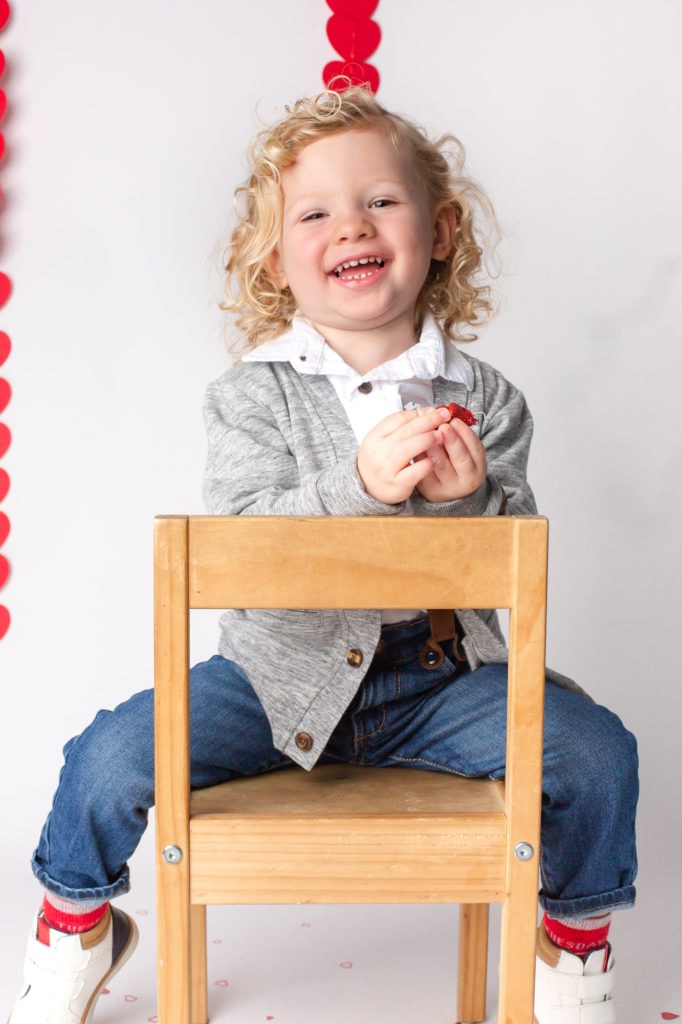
<point x="303" y="741"/>
<point x="354" y="657"/>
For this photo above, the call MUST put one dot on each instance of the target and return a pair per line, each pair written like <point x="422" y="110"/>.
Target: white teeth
<point x="357" y="263"/>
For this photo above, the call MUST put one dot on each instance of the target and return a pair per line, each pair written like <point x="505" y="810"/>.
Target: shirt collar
<point x="307" y="351"/>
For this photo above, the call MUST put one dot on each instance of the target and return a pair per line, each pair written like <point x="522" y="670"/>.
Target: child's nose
<point x="353" y="225"/>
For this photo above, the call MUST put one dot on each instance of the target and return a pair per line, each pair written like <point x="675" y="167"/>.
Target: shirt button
<point x="365" y="387"/>
<point x="303" y="741"/>
<point x="354" y="657"/>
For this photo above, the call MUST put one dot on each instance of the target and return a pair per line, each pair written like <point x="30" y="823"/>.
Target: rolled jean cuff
<point x="590" y="906"/>
<point x="101" y="893"/>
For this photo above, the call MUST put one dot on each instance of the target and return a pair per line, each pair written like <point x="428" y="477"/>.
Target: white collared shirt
<point x="367" y="398"/>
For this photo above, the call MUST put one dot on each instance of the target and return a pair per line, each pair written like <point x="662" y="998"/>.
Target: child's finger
<point x="440" y="460"/>
<point x="462" y="444"/>
<point x="410" y="422"/>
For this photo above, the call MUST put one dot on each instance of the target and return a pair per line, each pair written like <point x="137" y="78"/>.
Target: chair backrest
<point x="382" y="562"/>
<point x="347" y="562"/>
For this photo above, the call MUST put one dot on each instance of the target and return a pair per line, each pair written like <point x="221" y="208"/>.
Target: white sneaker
<point x="64" y="974"/>
<point x="570" y="990"/>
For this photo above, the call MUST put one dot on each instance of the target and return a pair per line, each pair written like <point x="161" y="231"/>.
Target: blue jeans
<point x="448" y="719"/>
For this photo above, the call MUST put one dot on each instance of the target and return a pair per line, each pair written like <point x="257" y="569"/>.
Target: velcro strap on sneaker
<point x="592" y="988"/>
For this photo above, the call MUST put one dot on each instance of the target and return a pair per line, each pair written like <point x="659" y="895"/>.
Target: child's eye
<point x="314" y="215"/>
<point x="378" y="204"/>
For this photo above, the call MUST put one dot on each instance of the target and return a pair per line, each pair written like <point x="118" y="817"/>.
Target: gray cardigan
<point x="279" y="443"/>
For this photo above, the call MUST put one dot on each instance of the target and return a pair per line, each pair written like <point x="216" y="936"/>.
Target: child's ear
<point x="444" y="226"/>
<point x="275" y="269"/>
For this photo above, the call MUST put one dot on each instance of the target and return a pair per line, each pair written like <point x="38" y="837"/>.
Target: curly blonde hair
<point x="452" y="291"/>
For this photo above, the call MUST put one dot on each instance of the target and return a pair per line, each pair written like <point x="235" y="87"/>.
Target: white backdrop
<point x="125" y="135"/>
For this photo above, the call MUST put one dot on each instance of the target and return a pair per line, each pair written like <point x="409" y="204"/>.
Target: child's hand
<point x="393" y="460"/>
<point x="458" y="464"/>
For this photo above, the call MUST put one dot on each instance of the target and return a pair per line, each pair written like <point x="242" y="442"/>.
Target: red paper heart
<point x="5" y="438"/>
<point x="4" y="528"/>
<point x="3" y="102"/>
<point x="4" y="484"/>
<point x="5" y="394"/>
<point x="5" y="346"/>
<point x="670" y="1016"/>
<point x="5" y="288"/>
<point x="4" y="621"/>
<point x="4" y="571"/>
<point x="2" y="63"/>
<point x="354" y="8"/>
<point x="353" y="38"/>
<point x="2" y="145"/>
<point x="4" y="13"/>
<point x="339" y="75"/>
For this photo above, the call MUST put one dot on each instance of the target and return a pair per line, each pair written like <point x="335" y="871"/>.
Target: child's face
<point x="358" y="237"/>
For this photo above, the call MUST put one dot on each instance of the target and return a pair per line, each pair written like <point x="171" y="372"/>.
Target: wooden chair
<point x="372" y="835"/>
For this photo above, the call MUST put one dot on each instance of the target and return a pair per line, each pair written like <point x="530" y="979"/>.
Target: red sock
<point x="73" y="923"/>
<point x="580" y="936"/>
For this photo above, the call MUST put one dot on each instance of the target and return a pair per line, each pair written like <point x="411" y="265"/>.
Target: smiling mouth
<point x="356" y="270"/>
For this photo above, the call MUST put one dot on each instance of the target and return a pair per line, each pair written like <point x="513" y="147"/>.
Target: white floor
<point x="339" y="965"/>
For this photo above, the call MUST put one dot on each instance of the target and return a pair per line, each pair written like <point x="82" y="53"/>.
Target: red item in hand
<point x="458" y="412"/>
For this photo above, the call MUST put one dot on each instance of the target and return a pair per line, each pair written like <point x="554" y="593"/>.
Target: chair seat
<point x="357" y="834"/>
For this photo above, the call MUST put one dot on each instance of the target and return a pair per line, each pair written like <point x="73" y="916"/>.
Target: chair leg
<point x="473" y="961"/>
<point x="517" y="961"/>
<point x="199" y="975"/>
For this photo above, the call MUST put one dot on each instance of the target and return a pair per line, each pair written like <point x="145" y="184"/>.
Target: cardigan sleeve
<point x="264" y="459"/>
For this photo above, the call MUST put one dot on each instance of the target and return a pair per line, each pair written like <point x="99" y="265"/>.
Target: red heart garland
<point x="5" y="346"/>
<point x="5" y="439"/>
<point x="354" y="8"/>
<point x="354" y="38"/>
<point x="5" y="288"/>
<point x="339" y="75"/>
